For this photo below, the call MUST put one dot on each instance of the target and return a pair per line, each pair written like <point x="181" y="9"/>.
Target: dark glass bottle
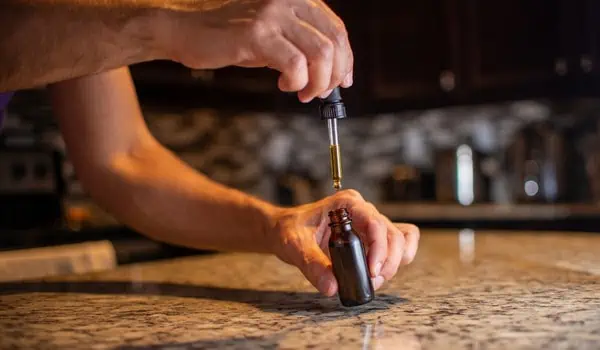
<point x="349" y="261"/>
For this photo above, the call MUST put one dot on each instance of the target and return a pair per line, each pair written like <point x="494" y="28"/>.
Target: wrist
<point x="168" y="26"/>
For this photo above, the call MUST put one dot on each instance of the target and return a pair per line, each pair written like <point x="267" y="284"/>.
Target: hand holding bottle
<point x="301" y="238"/>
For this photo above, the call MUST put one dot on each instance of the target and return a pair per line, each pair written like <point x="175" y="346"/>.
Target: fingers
<point x="316" y="267"/>
<point x="344" y="57"/>
<point x="396" y="248"/>
<point x="378" y="247"/>
<point x="377" y="282"/>
<point x="328" y="23"/>
<point x="319" y="52"/>
<point x="371" y="225"/>
<point x="323" y="39"/>
<point x="412" y="235"/>
<point x="389" y="245"/>
<point x="288" y="60"/>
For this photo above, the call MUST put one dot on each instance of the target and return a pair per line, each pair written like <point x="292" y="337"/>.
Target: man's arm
<point x="45" y="41"/>
<point x="143" y="184"/>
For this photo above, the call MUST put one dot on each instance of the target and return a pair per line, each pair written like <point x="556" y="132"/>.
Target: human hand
<point x="301" y="237"/>
<point x="303" y="39"/>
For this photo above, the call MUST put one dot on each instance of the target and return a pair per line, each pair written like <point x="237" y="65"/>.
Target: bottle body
<point x="351" y="271"/>
<point x="349" y="263"/>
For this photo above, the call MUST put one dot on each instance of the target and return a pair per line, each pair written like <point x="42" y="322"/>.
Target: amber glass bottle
<point x="349" y="261"/>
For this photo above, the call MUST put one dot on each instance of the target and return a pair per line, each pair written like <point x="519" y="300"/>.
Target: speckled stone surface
<point x="465" y="291"/>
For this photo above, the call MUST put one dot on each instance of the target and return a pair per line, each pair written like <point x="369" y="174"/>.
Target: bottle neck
<point x="341" y="230"/>
<point x="340" y="223"/>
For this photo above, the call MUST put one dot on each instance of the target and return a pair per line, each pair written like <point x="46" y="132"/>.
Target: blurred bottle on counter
<point x="403" y="184"/>
<point x="536" y="161"/>
<point x="588" y="188"/>
<point x="459" y="176"/>
<point x="412" y="178"/>
<point x="295" y="188"/>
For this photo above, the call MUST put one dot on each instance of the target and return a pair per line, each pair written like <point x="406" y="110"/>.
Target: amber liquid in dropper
<point x="336" y="166"/>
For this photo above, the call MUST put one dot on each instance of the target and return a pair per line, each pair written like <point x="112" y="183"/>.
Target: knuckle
<point x="268" y="8"/>
<point x="307" y="261"/>
<point x="340" y="37"/>
<point x="351" y="195"/>
<point x="340" y="23"/>
<point x="263" y="30"/>
<point x="372" y="208"/>
<point x="297" y="62"/>
<point x="323" y="51"/>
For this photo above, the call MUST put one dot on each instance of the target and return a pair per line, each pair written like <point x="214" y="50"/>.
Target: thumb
<point x="316" y="267"/>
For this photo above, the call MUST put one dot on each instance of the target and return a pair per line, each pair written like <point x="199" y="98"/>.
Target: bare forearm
<point x="45" y="41"/>
<point x="144" y="185"/>
<point x="157" y="194"/>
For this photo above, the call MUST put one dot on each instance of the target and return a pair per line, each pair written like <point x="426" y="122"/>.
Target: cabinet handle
<point x="447" y="80"/>
<point x="560" y="67"/>
<point x="586" y="63"/>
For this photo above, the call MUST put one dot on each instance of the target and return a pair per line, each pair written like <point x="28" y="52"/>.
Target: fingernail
<point x="377" y="269"/>
<point x="377" y="282"/>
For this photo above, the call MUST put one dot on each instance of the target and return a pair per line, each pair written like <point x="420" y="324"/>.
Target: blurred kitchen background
<point x="464" y="114"/>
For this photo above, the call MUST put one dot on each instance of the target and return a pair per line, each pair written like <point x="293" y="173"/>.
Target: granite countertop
<point x="466" y="290"/>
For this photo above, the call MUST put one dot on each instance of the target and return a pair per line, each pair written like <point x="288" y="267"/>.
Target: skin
<point x="77" y="48"/>
<point x="146" y="187"/>
<point x="302" y="39"/>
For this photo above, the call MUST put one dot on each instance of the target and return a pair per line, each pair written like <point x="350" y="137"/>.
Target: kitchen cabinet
<point x="413" y="48"/>
<point x="584" y="38"/>
<point x="579" y="33"/>
<point x="161" y="73"/>
<point x="259" y="80"/>
<point x="512" y="43"/>
<point x="590" y="60"/>
<point x="172" y="85"/>
<point x="228" y="78"/>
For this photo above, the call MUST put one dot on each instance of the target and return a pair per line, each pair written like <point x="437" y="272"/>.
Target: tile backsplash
<point x="266" y="154"/>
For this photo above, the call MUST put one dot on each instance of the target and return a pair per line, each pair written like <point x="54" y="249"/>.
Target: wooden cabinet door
<point x="253" y="80"/>
<point x="587" y="36"/>
<point x="512" y="42"/>
<point x="413" y="47"/>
